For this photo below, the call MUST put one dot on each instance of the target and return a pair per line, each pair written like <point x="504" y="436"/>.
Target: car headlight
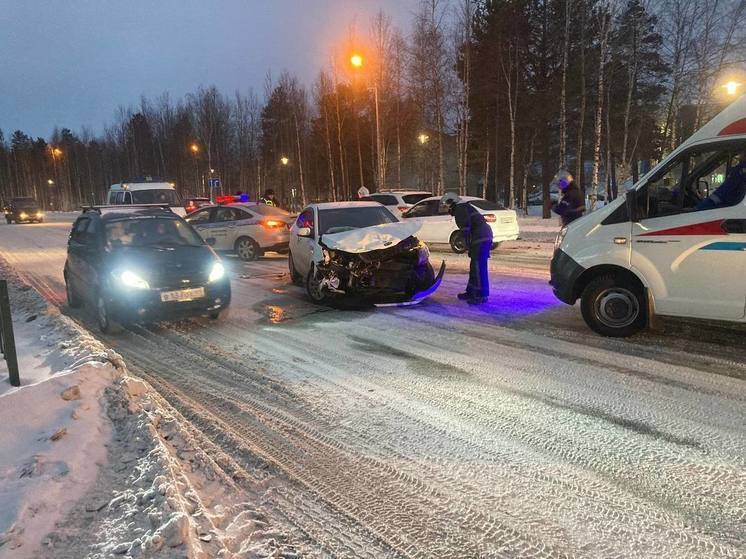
<point x="217" y="272"/>
<point x="23" y="215"/>
<point x="131" y="279"/>
<point x="39" y="214"/>
<point x="423" y="255"/>
<point x="560" y="238"/>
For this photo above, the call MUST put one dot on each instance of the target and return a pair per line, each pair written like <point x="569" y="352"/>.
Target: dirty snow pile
<point x="94" y="463"/>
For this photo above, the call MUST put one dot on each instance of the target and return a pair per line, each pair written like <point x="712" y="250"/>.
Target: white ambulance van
<point x="674" y="245"/>
<point x="146" y="191"/>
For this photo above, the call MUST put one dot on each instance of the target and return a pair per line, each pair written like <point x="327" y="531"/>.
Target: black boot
<point x="478" y="300"/>
<point x="465" y="296"/>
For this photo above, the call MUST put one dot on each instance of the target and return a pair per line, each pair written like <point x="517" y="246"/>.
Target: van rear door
<point x="694" y="261"/>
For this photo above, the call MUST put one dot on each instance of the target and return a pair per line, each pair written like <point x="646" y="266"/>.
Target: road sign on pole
<point x="213" y="182"/>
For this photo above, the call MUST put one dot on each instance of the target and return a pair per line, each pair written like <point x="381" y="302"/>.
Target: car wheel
<point x="314" y="290"/>
<point x="458" y="243"/>
<point x="105" y="323"/>
<point x="247" y="249"/>
<point x="214" y="315"/>
<point x="9" y="220"/>
<point x="295" y="277"/>
<point x="73" y="301"/>
<point x="495" y="246"/>
<point x="613" y="306"/>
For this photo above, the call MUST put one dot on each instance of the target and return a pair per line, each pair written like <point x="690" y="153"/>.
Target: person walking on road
<point x="478" y="238"/>
<point x="268" y="198"/>
<point x="571" y="204"/>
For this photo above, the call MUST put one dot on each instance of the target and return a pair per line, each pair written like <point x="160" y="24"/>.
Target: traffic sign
<point x="213" y="182"/>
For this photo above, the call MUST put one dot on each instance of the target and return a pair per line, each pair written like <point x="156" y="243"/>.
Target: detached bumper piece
<point x="564" y="273"/>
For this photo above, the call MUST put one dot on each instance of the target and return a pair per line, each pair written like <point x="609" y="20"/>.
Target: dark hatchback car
<point x="23" y="210"/>
<point x="142" y="264"/>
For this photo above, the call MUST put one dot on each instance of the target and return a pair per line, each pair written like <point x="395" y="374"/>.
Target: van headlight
<point x="131" y="279"/>
<point x="560" y="238"/>
<point x="217" y="272"/>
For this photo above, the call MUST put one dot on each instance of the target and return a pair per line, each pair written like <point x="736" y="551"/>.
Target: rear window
<point x="156" y="196"/>
<point x="486" y="205"/>
<point x="414" y="198"/>
<point x="385" y="199"/>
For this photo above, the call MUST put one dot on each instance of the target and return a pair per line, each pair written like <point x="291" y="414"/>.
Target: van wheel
<point x="295" y="277"/>
<point x="613" y="306"/>
<point x="314" y="290"/>
<point x="247" y="249"/>
<point x="73" y="301"/>
<point x="458" y="244"/>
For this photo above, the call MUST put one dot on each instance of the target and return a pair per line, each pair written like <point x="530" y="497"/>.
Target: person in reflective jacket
<point x="571" y="205"/>
<point x="478" y="238"/>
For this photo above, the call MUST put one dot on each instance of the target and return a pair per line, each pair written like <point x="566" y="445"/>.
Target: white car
<point x="246" y="229"/>
<point x="398" y="201"/>
<point x="359" y="250"/>
<point x="674" y="245"/>
<point x="438" y="226"/>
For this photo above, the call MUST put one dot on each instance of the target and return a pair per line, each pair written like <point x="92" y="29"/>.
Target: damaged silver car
<point x="360" y="251"/>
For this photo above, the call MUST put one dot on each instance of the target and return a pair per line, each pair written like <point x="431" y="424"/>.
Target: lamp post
<point x="195" y="152"/>
<point x="357" y="62"/>
<point x="55" y="152"/>
<point x="731" y="87"/>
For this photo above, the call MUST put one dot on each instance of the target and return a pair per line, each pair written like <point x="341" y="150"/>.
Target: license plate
<point x="183" y="294"/>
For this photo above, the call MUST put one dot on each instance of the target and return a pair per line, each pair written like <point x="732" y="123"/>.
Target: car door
<point x="79" y="247"/>
<point x="223" y="227"/>
<point x="434" y="226"/>
<point x="301" y="248"/>
<point x="200" y="220"/>
<point x="693" y="261"/>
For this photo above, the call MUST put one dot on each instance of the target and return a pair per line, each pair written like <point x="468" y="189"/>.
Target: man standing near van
<point x="571" y="204"/>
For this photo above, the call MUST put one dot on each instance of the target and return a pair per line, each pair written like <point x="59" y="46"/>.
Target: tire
<point x="214" y="315"/>
<point x="9" y="220"/>
<point x="613" y="306"/>
<point x="295" y="277"/>
<point x="495" y="246"/>
<point x="318" y="296"/>
<point x="247" y="249"/>
<point x="105" y="323"/>
<point x="457" y="242"/>
<point x="73" y="300"/>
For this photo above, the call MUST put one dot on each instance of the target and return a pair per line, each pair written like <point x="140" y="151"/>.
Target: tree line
<point x="485" y="97"/>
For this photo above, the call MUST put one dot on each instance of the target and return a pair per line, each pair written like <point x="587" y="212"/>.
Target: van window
<point x="112" y="198"/>
<point x="156" y="196"/>
<point x="664" y="191"/>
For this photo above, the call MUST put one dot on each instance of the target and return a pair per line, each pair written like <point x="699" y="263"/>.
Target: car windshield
<point x="486" y="205"/>
<point x="337" y="220"/>
<point x="150" y="231"/>
<point x="414" y="198"/>
<point x="264" y="209"/>
<point x="25" y="203"/>
<point x="156" y="196"/>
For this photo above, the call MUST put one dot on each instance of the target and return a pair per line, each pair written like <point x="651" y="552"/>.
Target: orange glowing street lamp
<point x="194" y="148"/>
<point x="731" y="87"/>
<point x="356" y="60"/>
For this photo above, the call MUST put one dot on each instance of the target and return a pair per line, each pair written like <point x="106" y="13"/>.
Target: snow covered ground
<point x="440" y="430"/>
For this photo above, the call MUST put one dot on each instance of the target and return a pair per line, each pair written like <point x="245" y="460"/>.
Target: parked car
<point x="398" y="201"/>
<point x="142" y="264"/>
<point x="674" y="245"/>
<point x="248" y="230"/>
<point x="438" y="226"/>
<point x="146" y="191"/>
<point x="191" y="205"/>
<point x="359" y="250"/>
<point x="23" y="210"/>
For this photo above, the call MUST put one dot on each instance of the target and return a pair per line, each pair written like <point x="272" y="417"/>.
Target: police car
<point x="674" y="245"/>
<point x="246" y="229"/>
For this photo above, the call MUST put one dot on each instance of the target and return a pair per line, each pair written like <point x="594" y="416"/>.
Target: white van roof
<point x="730" y="122"/>
<point x="142" y="186"/>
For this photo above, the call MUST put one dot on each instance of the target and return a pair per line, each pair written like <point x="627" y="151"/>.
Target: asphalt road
<point x="442" y="430"/>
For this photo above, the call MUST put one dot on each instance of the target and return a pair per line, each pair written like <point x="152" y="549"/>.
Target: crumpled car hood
<point x="367" y="239"/>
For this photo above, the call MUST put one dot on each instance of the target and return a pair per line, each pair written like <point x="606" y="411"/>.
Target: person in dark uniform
<point x="478" y="237"/>
<point x="571" y="204"/>
<point x="269" y="198"/>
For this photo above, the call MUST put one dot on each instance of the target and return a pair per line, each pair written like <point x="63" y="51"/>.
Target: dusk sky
<point x="73" y="63"/>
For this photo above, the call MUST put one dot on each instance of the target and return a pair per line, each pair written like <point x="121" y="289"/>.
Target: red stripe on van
<point x="737" y="127"/>
<point x="708" y="228"/>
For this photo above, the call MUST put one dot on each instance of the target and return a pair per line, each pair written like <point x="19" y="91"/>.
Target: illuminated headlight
<point x="217" y="272"/>
<point x="23" y="215"/>
<point x="560" y="238"/>
<point x="423" y="255"/>
<point x="131" y="279"/>
<point x="39" y="214"/>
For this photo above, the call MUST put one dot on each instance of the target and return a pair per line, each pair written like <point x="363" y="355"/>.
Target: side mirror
<point x="210" y="241"/>
<point x="305" y="232"/>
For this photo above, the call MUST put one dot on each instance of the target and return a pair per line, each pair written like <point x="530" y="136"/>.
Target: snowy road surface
<point x="442" y="430"/>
